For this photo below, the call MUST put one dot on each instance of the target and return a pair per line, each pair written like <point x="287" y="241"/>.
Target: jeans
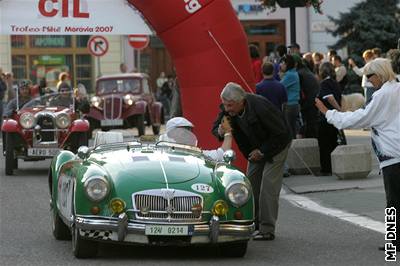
<point x="291" y="113"/>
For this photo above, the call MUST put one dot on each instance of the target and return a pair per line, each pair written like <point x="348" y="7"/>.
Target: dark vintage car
<point x="41" y="128"/>
<point x="160" y="193"/>
<point x="125" y="101"/>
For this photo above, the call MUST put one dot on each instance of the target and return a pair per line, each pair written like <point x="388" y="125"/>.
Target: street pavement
<point x="308" y="231"/>
<point x="364" y="197"/>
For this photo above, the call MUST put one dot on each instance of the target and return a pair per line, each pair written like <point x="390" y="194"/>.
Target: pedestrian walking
<point x="262" y="135"/>
<point x="382" y="114"/>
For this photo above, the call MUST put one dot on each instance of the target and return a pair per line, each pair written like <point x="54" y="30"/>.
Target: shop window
<point x="82" y="40"/>
<point x="83" y="71"/>
<point x="48" y="67"/>
<point x="17" y="41"/>
<point x="83" y="60"/>
<point x="19" y="66"/>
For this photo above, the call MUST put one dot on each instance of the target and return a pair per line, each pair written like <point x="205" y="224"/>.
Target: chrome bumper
<point x="122" y="230"/>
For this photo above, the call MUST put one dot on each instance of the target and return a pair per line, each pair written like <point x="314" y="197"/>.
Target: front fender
<point x="80" y="125"/>
<point x="60" y="159"/>
<point x="10" y="125"/>
<point x="156" y="111"/>
<point x="138" y="108"/>
<point x="95" y="113"/>
<point x="225" y="175"/>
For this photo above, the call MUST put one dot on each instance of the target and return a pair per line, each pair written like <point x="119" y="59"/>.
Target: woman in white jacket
<point x="382" y="114"/>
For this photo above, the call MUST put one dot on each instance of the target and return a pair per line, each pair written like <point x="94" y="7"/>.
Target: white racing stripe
<point x="165" y="175"/>
<point x="356" y="219"/>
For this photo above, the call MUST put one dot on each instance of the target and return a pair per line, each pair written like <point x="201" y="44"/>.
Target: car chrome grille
<point x="47" y="124"/>
<point x="154" y="204"/>
<point x="112" y="107"/>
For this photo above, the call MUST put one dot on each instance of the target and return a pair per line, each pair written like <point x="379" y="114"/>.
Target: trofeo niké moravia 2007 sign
<point x="73" y="17"/>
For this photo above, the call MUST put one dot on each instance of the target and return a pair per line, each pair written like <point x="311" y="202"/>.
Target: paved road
<point x="303" y="237"/>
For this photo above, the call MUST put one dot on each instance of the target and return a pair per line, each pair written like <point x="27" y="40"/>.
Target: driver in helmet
<point x="24" y="90"/>
<point x="181" y="122"/>
<point x="64" y="98"/>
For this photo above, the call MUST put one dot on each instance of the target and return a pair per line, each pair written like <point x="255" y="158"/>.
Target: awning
<point x="70" y="17"/>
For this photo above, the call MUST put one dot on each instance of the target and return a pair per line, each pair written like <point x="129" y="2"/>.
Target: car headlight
<point x="238" y="193"/>
<point x="27" y="120"/>
<point x="129" y="99"/>
<point x="96" y="188"/>
<point x="63" y="120"/>
<point x="96" y="101"/>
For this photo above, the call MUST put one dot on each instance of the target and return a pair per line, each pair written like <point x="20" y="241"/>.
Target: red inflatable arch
<point x="208" y="47"/>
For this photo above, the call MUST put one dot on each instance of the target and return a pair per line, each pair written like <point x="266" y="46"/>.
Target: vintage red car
<point x="41" y="128"/>
<point x="125" y="101"/>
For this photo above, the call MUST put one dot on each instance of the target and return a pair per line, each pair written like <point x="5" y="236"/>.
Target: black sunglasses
<point x="369" y="75"/>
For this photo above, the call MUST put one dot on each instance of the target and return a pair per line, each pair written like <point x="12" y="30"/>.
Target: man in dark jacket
<point x="309" y="87"/>
<point x="263" y="137"/>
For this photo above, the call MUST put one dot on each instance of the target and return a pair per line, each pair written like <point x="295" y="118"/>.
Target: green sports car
<point x="149" y="193"/>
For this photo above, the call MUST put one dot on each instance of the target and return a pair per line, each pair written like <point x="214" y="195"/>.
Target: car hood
<point x="153" y="169"/>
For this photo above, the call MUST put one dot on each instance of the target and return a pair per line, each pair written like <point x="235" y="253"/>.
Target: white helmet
<point x="177" y="122"/>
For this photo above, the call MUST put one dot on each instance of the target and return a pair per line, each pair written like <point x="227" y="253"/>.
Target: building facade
<point x="43" y="57"/>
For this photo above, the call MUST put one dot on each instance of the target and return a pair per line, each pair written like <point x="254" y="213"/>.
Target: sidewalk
<point x="364" y="197"/>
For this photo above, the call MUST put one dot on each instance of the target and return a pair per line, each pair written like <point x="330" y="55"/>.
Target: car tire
<point x="140" y="124"/>
<point x="83" y="248"/>
<point x="233" y="250"/>
<point x="60" y="230"/>
<point x="156" y="129"/>
<point x="78" y="139"/>
<point x="10" y="156"/>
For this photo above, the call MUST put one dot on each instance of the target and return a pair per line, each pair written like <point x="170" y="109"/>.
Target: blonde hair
<point x="368" y="54"/>
<point x="382" y="68"/>
<point x="317" y="54"/>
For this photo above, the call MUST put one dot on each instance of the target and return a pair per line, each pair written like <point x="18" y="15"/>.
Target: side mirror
<point x="83" y="152"/>
<point x="229" y="156"/>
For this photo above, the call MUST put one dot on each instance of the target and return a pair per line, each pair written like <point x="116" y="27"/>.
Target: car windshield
<point x="62" y="99"/>
<point x="118" y="85"/>
<point x="180" y="135"/>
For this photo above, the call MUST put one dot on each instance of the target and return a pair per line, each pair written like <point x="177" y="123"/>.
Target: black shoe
<point x="286" y="174"/>
<point x="264" y="237"/>
<point x="324" y="174"/>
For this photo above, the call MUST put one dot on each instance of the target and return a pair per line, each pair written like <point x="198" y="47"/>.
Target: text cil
<point x="63" y="6"/>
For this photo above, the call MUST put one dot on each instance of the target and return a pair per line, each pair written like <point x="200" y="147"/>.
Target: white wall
<point x="109" y="63"/>
<point x="319" y="37"/>
<point x="283" y="14"/>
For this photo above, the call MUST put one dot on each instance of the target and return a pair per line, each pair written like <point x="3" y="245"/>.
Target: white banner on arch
<point x="70" y="17"/>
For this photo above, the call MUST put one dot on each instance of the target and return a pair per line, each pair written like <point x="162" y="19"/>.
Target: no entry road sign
<point x="138" y="41"/>
<point x="98" y="45"/>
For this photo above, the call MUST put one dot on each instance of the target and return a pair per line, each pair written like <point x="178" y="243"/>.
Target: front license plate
<point x="112" y="122"/>
<point x="43" y="152"/>
<point x="168" y="230"/>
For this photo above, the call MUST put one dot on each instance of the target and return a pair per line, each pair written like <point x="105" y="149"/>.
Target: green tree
<point x="369" y="24"/>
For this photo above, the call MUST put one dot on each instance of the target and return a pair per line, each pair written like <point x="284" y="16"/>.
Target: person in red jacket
<point x="256" y="62"/>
